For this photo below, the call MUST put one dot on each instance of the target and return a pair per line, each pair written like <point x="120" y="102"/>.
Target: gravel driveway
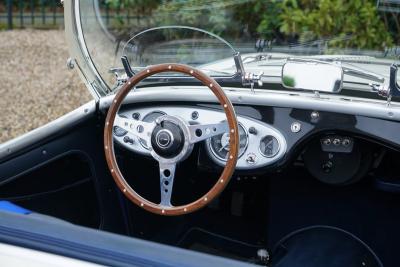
<point x="35" y="85"/>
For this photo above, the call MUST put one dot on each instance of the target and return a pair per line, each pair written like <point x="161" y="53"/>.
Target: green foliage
<point x="353" y="23"/>
<point x="262" y="17"/>
<point x="288" y="81"/>
<point x="343" y="23"/>
<point x="211" y="15"/>
<point x="138" y="7"/>
<point x="3" y="26"/>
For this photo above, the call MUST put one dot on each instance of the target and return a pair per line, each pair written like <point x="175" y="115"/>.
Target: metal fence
<point x="31" y="13"/>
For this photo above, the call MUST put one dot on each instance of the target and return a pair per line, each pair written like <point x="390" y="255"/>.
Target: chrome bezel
<point x="277" y="151"/>
<point x="187" y="147"/>
<point x="170" y="140"/>
<point x="79" y="51"/>
<point x="240" y="154"/>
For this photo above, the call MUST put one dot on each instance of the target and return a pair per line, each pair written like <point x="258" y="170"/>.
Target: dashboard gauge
<point x="269" y="146"/>
<point x="219" y="144"/>
<point x="150" y="117"/>
<point x="118" y="131"/>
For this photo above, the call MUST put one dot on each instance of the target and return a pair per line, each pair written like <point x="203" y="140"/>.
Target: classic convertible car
<point x="199" y="150"/>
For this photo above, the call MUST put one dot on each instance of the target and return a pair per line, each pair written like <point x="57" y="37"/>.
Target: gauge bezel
<point x="277" y="151"/>
<point x="151" y="112"/>
<point x="240" y="153"/>
<point x="115" y="129"/>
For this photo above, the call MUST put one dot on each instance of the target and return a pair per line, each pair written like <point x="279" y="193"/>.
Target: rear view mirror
<point x="312" y="75"/>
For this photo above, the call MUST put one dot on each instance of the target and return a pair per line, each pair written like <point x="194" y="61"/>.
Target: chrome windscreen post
<point x="382" y="90"/>
<point x="388" y="89"/>
<point x="248" y="78"/>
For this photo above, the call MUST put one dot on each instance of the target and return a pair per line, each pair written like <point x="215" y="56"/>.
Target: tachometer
<point x="219" y="144"/>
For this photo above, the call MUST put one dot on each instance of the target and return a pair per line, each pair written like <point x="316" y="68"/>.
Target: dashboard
<point x="260" y="143"/>
<point x="329" y="144"/>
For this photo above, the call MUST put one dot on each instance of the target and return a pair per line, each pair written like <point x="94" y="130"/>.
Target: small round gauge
<point x="118" y="131"/>
<point x="219" y="144"/>
<point x="269" y="146"/>
<point x="150" y="117"/>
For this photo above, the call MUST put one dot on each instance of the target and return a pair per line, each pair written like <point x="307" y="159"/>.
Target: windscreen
<point x="206" y="33"/>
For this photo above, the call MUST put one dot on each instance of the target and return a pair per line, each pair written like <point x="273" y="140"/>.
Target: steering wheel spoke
<point x="137" y="128"/>
<point x="167" y="174"/>
<point x="201" y="132"/>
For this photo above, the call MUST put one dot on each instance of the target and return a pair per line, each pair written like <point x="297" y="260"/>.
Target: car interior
<point x="317" y="187"/>
<point x="211" y="165"/>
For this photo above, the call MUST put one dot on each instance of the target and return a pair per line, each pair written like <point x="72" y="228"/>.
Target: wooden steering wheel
<point x="171" y="140"/>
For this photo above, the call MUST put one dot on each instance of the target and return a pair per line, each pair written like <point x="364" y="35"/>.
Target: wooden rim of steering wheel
<point x="233" y="141"/>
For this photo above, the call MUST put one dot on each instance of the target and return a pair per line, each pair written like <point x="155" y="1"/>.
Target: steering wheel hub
<point x="167" y="139"/>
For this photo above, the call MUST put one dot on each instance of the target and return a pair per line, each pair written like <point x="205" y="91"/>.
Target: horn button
<point x="167" y="139"/>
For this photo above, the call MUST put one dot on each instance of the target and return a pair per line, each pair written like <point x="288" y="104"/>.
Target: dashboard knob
<point x="253" y="130"/>
<point x="336" y="141"/>
<point x="136" y="116"/>
<point x="128" y="140"/>
<point x="295" y="127"/>
<point x="327" y="166"/>
<point x="346" y="142"/>
<point x="327" y="141"/>
<point x="194" y="115"/>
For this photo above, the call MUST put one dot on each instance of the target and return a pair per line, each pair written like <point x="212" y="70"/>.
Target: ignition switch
<point x="327" y="166"/>
<point x="251" y="158"/>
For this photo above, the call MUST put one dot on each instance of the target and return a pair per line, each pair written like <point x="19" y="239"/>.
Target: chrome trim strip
<point x="38" y="134"/>
<point x="296" y="99"/>
<point x="78" y="49"/>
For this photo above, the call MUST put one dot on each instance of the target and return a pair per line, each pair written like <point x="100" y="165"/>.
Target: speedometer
<point x="219" y="144"/>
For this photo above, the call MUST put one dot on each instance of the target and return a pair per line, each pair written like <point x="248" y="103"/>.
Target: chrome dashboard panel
<point x="251" y="158"/>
